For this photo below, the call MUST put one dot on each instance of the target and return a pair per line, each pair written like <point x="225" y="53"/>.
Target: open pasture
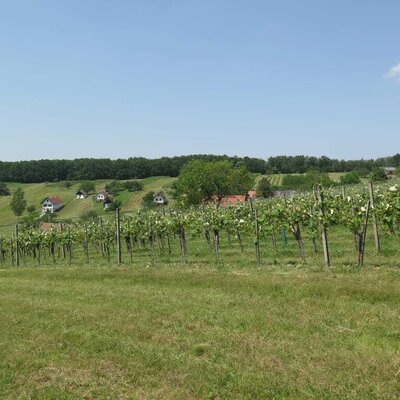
<point x="194" y="333"/>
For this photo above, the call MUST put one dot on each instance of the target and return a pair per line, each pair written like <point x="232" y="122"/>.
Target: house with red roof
<point x="234" y="199"/>
<point x="231" y="200"/>
<point x="51" y="204"/>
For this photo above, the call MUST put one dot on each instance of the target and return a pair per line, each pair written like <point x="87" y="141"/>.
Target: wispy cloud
<point x="393" y="73"/>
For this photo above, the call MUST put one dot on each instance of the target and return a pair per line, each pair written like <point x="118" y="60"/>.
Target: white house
<point x="159" y="199"/>
<point x="101" y="196"/>
<point x="81" y="194"/>
<point x="51" y="204"/>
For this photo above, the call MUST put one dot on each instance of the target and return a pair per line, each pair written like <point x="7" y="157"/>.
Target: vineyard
<point x="305" y="227"/>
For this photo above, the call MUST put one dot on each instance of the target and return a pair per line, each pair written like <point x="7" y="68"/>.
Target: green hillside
<point x="73" y="208"/>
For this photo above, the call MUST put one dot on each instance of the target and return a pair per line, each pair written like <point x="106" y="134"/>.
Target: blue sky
<point x="157" y="78"/>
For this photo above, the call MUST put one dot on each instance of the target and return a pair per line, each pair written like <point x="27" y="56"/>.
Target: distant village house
<point x="232" y="200"/>
<point x="102" y="196"/>
<point x="51" y="204"/>
<point x="81" y="194"/>
<point x="159" y="199"/>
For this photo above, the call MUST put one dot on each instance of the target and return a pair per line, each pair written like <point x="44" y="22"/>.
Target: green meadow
<point x="83" y="332"/>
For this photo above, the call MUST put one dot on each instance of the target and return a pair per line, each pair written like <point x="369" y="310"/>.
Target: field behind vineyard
<point x="36" y="192"/>
<point x="83" y="332"/>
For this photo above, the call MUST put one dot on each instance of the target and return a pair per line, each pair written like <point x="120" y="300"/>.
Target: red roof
<point x="231" y="200"/>
<point x="237" y="198"/>
<point x="55" y="200"/>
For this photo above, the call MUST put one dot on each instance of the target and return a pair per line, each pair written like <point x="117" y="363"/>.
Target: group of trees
<point x="91" y="169"/>
<point x="117" y="186"/>
<point x="138" y="167"/>
<point x="306" y="181"/>
<point x="301" y="164"/>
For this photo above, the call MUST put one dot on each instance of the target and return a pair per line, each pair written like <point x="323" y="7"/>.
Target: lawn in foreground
<point x="170" y="333"/>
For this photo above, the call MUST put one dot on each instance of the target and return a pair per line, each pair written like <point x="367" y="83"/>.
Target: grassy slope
<point x="83" y="333"/>
<point x="34" y="193"/>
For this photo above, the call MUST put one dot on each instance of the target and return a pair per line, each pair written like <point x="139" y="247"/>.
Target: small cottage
<point x="101" y="196"/>
<point x="81" y="194"/>
<point x="51" y="204"/>
<point x="159" y="199"/>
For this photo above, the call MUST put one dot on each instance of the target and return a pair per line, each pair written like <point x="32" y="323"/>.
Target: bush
<point x="114" y="187"/>
<point x="306" y="181"/>
<point x="4" y="190"/>
<point x="90" y="215"/>
<point x="264" y="188"/>
<point x="133" y="186"/>
<point x="378" y="175"/>
<point x="114" y="205"/>
<point x="66" y="184"/>
<point x="87" y="186"/>
<point x="350" y="178"/>
<point x="148" y="200"/>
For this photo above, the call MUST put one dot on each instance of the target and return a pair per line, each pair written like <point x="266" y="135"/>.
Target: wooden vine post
<point x="363" y="236"/>
<point x="118" y="226"/>
<point x="257" y="241"/>
<point x="374" y="219"/>
<point x="324" y="234"/>
<point x="16" y="245"/>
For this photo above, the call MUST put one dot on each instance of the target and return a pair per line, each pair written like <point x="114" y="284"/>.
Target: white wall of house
<point x="158" y="200"/>
<point x="48" y="206"/>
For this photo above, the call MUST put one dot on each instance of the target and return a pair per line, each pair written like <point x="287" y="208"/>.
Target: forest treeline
<point x="36" y="171"/>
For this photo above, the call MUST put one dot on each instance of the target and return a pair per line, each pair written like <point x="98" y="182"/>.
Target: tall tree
<point x="264" y="188"/>
<point x="18" y="202"/>
<point x="201" y="180"/>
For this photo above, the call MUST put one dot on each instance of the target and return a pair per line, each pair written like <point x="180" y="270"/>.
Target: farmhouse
<point x="81" y="194"/>
<point x="51" y="204"/>
<point x="101" y="196"/>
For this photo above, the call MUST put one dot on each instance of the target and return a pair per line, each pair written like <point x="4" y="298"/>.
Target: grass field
<point x="179" y="333"/>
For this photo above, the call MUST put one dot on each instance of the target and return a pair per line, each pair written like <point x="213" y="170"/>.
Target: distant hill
<point x="73" y="208"/>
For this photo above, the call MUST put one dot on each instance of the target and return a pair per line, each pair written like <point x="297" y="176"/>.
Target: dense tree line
<point x="302" y="164"/>
<point x="138" y="167"/>
<point x="90" y="169"/>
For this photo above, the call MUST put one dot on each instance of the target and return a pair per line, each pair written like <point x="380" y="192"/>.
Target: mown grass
<point x="185" y="333"/>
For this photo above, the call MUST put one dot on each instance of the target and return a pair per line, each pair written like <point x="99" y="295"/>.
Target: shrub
<point x="378" y="175"/>
<point x="4" y="190"/>
<point x="114" y="187"/>
<point x="133" y="186"/>
<point x="350" y="178"/>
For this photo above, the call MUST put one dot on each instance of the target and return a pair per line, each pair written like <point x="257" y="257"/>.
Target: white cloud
<point x="393" y="73"/>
